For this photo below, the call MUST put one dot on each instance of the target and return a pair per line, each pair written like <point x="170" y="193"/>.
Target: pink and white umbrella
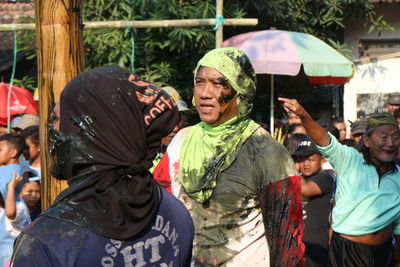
<point x="285" y="52"/>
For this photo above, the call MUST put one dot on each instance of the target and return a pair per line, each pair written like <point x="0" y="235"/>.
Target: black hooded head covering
<point x="110" y="130"/>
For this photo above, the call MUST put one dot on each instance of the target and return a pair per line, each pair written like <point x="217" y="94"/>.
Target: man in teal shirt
<point x="367" y="210"/>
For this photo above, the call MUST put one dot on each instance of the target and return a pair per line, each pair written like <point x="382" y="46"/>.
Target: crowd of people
<point x="145" y="189"/>
<point x="19" y="180"/>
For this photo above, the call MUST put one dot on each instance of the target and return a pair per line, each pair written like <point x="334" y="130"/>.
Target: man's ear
<point x="366" y="140"/>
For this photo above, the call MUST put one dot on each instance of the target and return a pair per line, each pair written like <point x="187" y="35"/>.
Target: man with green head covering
<point x="367" y="200"/>
<point x="239" y="185"/>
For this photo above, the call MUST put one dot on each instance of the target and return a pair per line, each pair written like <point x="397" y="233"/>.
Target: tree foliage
<point x="167" y="56"/>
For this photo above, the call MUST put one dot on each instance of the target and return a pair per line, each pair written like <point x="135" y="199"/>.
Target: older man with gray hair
<point x="367" y="210"/>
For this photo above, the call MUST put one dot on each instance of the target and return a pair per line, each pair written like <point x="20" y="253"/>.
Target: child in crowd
<point x="16" y="210"/>
<point x="31" y="192"/>
<point x="14" y="214"/>
<point x="317" y="188"/>
<point x="31" y="135"/>
<point x="292" y="143"/>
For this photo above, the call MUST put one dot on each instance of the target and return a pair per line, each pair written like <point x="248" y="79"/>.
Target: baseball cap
<point x="182" y="106"/>
<point x="394" y="99"/>
<point x="26" y="121"/>
<point x="358" y="127"/>
<point x="306" y="148"/>
<point x="15" y="121"/>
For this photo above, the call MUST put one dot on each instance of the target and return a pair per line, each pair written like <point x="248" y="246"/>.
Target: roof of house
<point x="10" y="12"/>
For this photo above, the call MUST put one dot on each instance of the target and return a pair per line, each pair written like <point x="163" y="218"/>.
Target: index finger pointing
<point x="285" y="100"/>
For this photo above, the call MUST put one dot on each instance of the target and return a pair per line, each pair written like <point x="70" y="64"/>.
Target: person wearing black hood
<point x="113" y="213"/>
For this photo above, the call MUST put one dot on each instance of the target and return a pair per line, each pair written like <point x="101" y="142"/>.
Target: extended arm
<point x="11" y="205"/>
<point x="314" y="130"/>
<point x="309" y="188"/>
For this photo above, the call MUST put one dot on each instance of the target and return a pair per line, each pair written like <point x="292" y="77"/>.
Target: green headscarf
<point x="208" y="150"/>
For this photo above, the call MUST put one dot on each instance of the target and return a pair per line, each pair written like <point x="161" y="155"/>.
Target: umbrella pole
<point x="271" y="113"/>
<point x="8" y="108"/>
<point x="11" y="83"/>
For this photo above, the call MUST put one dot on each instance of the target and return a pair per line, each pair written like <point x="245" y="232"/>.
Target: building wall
<point x="354" y="30"/>
<point x="367" y="91"/>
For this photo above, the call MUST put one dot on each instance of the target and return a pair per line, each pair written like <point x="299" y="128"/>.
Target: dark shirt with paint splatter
<point x="167" y="241"/>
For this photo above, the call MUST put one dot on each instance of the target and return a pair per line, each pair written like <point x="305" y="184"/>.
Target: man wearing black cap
<point x="393" y="102"/>
<point x="316" y="189"/>
<point x="357" y="129"/>
<point x="367" y="200"/>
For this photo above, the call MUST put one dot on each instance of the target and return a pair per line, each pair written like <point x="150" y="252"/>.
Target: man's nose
<point x="392" y="141"/>
<point x="207" y="91"/>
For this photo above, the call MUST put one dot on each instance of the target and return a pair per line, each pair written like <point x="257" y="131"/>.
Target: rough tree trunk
<point x="60" y="58"/>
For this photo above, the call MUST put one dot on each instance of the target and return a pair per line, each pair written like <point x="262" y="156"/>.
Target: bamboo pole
<point x="219" y="32"/>
<point x="142" y="24"/>
<point x="59" y="44"/>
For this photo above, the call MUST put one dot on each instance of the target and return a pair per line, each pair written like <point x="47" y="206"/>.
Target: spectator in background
<point x="328" y="126"/>
<point x="357" y="130"/>
<point x="25" y="121"/>
<point x="17" y="211"/>
<point x="397" y="116"/>
<point x="184" y="111"/>
<point x="292" y="143"/>
<point x="184" y="114"/>
<point x="3" y="129"/>
<point x="14" y="122"/>
<point x="317" y="188"/>
<point x="14" y="214"/>
<point x="31" y="193"/>
<point x="295" y="128"/>
<point x="31" y="136"/>
<point x="393" y="102"/>
<point x="341" y="126"/>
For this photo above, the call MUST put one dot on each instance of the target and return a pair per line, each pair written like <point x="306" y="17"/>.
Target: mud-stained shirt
<point x="165" y="242"/>
<point x="229" y="227"/>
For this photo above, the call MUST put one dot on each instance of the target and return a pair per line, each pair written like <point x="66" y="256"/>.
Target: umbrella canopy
<point x="21" y="102"/>
<point x="284" y="52"/>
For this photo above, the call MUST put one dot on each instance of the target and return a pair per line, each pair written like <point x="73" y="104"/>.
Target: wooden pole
<point x="141" y="24"/>
<point x="219" y="32"/>
<point x="59" y="43"/>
